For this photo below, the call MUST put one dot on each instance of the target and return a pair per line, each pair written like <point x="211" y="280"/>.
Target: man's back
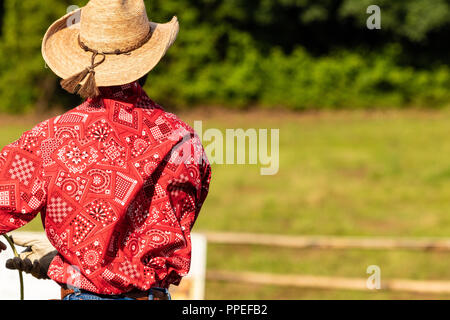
<point x="119" y="183"/>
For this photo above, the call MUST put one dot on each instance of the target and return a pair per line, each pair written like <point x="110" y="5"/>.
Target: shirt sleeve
<point x="22" y="187"/>
<point x="185" y="178"/>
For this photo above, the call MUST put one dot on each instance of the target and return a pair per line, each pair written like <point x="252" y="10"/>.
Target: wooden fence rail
<point x="317" y="282"/>
<point x="324" y="242"/>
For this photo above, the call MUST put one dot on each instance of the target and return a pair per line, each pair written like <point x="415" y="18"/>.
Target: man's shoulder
<point x="39" y="130"/>
<point x="168" y="121"/>
<point x="178" y="122"/>
<point x="70" y="117"/>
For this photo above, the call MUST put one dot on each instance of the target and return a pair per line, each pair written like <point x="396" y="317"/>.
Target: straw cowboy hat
<point x="106" y="43"/>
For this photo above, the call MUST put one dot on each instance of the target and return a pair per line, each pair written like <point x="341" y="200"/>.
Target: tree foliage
<point x="292" y="53"/>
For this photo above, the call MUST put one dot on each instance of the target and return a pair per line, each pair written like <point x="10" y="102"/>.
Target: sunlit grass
<point x="354" y="174"/>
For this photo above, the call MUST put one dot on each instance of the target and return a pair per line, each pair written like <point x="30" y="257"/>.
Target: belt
<point x="156" y="293"/>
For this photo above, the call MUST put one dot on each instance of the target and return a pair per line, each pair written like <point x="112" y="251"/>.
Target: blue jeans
<point x="85" y="295"/>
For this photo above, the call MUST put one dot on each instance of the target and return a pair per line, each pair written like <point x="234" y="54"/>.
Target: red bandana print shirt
<point x="119" y="183"/>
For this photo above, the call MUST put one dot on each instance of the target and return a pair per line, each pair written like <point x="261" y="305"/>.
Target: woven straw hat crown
<point x="108" y="25"/>
<point x="106" y="43"/>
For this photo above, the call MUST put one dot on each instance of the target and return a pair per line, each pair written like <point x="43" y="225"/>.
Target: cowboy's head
<point x="112" y="43"/>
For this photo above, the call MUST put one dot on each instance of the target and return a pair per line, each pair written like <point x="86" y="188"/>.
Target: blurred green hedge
<point x="298" y="54"/>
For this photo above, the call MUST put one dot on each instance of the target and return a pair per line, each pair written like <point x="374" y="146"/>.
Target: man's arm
<point x="22" y="188"/>
<point x="185" y="180"/>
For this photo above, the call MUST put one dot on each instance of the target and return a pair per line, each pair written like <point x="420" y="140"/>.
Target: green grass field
<point x="341" y="173"/>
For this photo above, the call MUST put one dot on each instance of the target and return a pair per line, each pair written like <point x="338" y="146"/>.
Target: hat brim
<point x="64" y="56"/>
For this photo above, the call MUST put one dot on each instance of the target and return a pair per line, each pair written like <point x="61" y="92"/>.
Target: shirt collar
<point x="128" y="94"/>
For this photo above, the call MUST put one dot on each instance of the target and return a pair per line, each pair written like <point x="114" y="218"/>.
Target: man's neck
<point x="122" y="92"/>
